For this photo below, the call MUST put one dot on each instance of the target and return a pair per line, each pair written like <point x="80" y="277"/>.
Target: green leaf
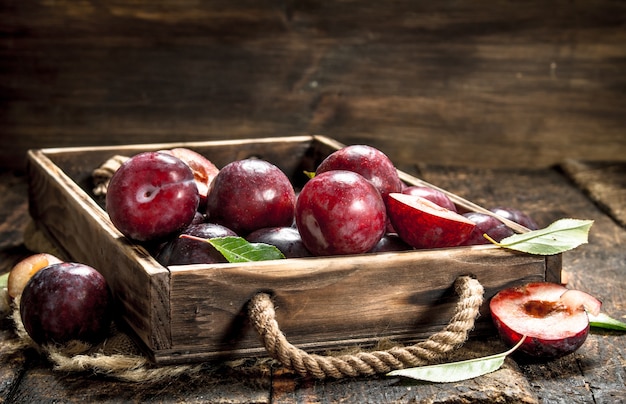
<point x="560" y="236"/>
<point x="605" y="321"/>
<point x="238" y="249"/>
<point x="457" y="371"/>
<point x="4" y="280"/>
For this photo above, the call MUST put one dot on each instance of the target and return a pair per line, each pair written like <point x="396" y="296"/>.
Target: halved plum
<point x="424" y="224"/>
<point x="553" y="318"/>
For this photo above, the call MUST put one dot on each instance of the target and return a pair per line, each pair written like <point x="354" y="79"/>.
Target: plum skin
<point x="340" y="212"/>
<point x="542" y="347"/>
<point x="286" y="239"/>
<point x="432" y="194"/>
<point x="143" y="191"/>
<point x="367" y="161"/>
<point x="250" y="194"/>
<point x="64" y="302"/>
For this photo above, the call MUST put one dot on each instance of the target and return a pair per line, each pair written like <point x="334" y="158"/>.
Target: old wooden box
<point x="197" y="312"/>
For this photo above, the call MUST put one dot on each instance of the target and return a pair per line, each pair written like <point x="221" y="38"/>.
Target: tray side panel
<point x="329" y="303"/>
<point x="78" y="226"/>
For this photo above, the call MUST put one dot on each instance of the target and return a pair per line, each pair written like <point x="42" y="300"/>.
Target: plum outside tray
<point x="193" y="313"/>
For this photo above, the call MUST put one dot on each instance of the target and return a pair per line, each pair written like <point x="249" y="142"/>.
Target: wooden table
<point x="596" y="373"/>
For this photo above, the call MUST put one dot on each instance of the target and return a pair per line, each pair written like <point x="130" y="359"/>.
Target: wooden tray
<point x="197" y="312"/>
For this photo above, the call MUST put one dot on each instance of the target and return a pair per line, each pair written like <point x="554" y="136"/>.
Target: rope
<point x="263" y="318"/>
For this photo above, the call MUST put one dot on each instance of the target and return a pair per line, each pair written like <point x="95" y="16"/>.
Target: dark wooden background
<point x="496" y="83"/>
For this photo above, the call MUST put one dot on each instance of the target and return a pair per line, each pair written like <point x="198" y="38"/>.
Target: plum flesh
<point x="554" y="324"/>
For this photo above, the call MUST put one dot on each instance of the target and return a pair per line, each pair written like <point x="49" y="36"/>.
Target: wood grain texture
<point x="604" y="182"/>
<point x="331" y="303"/>
<point x="458" y="83"/>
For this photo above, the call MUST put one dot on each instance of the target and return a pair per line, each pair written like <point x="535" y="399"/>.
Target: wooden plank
<point x="603" y="182"/>
<point x="329" y="303"/>
<point x="461" y="83"/>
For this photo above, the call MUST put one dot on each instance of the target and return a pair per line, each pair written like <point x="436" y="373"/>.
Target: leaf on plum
<point x="560" y="236"/>
<point x="238" y="249"/>
<point x="457" y="371"/>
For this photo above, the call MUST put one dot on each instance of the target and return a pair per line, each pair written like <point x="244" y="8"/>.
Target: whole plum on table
<point x="368" y="161"/>
<point x="251" y="194"/>
<point x="340" y="212"/>
<point x="151" y="196"/>
<point x="286" y="239"/>
<point x="183" y="251"/>
<point x="66" y="301"/>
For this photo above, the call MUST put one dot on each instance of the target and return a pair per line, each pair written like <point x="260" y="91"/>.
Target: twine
<point x="262" y="316"/>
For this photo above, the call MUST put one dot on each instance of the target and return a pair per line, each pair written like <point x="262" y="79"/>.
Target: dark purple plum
<point x="184" y="251"/>
<point x="286" y="239"/>
<point x="368" y="161"/>
<point x="152" y="196"/>
<point x="390" y="242"/>
<point x="432" y="194"/>
<point x="486" y="224"/>
<point x="340" y="212"/>
<point x="64" y="302"/>
<point x="516" y="216"/>
<point x="251" y="194"/>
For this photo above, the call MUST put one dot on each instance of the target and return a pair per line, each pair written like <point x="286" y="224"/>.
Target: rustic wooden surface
<point x="514" y="83"/>
<point x="595" y="373"/>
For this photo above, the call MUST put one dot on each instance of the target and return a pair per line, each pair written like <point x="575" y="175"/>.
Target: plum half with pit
<point x="250" y="194"/>
<point x="152" y="196"/>
<point x="64" y="302"/>
<point x="552" y="317"/>
<point x="340" y="212"/>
